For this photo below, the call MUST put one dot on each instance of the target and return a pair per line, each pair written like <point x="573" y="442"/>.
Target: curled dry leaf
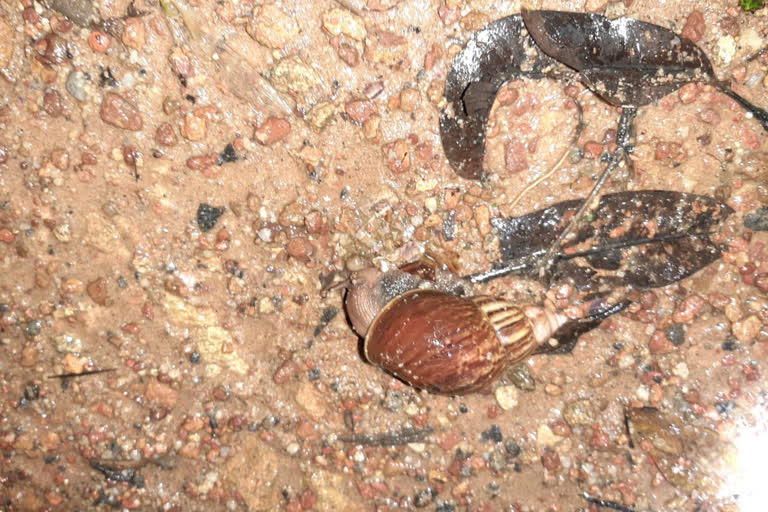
<point x="625" y="61"/>
<point x="494" y="55"/>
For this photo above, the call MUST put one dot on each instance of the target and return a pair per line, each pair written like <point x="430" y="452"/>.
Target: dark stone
<point x="513" y="449"/>
<point x="725" y="407"/>
<point x="730" y="345"/>
<point x="328" y="315"/>
<point x="675" y="333"/>
<point x="208" y="215"/>
<point x="106" y="78"/>
<point x="194" y="357"/>
<point x="757" y="221"/>
<point x="228" y="155"/>
<point x="492" y="434"/>
<point x="423" y="498"/>
<point x="32" y="391"/>
<point x="32" y="328"/>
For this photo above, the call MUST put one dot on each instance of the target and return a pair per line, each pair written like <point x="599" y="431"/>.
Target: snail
<point x="426" y="332"/>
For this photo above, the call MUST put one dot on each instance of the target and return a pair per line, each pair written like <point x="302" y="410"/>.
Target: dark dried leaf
<point x="624" y="61"/>
<point x="642" y="239"/>
<point x="494" y="55"/>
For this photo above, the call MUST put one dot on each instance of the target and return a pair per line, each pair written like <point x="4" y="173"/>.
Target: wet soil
<point x="179" y="180"/>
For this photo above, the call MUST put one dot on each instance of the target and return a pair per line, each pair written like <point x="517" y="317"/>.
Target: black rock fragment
<point x="228" y="155"/>
<point x="208" y="215"/>
<point x="492" y="434"/>
<point x="757" y="221"/>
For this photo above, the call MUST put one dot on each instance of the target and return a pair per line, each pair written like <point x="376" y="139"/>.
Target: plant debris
<point x="625" y="61"/>
<point x="391" y="438"/>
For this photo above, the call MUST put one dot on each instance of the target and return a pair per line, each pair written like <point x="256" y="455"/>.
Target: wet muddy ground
<point x="180" y="179"/>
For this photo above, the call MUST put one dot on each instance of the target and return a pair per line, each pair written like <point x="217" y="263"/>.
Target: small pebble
<point x="134" y="33"/>
<point x="676" y="334"/>
<point x="579" y="413"/>
<point x="300" y="248"/>
<point x="550" y="460"/>
<point x="506" y="397"/>
<point x="747" y="329"/>
<point x="119" y="112"/>
<point x="272" y="27"/>
<point x="512" y="448"/>
<point x="195" y="128"/>
<point x="32" y="328"/>
<point x="272" y="130"/>
<point x="76" y="85"/>
<point x="493" y="434"/>
<point x="423" y="498"/>
<point x="67" y="343"/>
<point x="208" y="215"/>
<point x="31" y="391"/>
<point x="758" y="220"/>
<point x="228" y="155"/>
<point x="520" y="376"/>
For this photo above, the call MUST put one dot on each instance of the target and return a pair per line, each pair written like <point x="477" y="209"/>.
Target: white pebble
<point x="681" y="370"/>
<point x="292" y="448"/>
<point x="506" y="396"/>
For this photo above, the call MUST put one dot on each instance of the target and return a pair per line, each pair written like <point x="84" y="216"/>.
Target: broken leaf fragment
<point x="689" y="457"/>
<point x="751" y="5"/>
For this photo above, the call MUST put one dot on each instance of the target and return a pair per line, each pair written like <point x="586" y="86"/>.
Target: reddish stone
<point x="515" y="156"/>
<point x="119" y="112"/>
<point x="694" y="26"/>
<point x="272" y="130"/>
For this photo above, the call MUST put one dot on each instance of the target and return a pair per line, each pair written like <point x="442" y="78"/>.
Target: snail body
<point x="425" y="333"/>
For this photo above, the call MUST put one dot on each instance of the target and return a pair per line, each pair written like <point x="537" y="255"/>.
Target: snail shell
<point x="429" y="335"/>
<point x="448" y="344"/>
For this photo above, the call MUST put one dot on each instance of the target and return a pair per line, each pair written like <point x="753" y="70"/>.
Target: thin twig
<point x="81" y="374"/>
<point x="757" y="54"/>
<point x="487" y="275"/>
<point x="622" y="137"/>
<point x="607" y="504"/>
<point x="397" y="438"/>
<point x="574" y="138"/>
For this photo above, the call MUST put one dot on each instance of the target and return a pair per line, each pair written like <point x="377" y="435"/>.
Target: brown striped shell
<point x="448" y="344"/>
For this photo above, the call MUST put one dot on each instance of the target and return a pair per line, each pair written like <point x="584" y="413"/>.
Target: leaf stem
<point x="622" y="141"/>
<point x="759" y="114"/>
